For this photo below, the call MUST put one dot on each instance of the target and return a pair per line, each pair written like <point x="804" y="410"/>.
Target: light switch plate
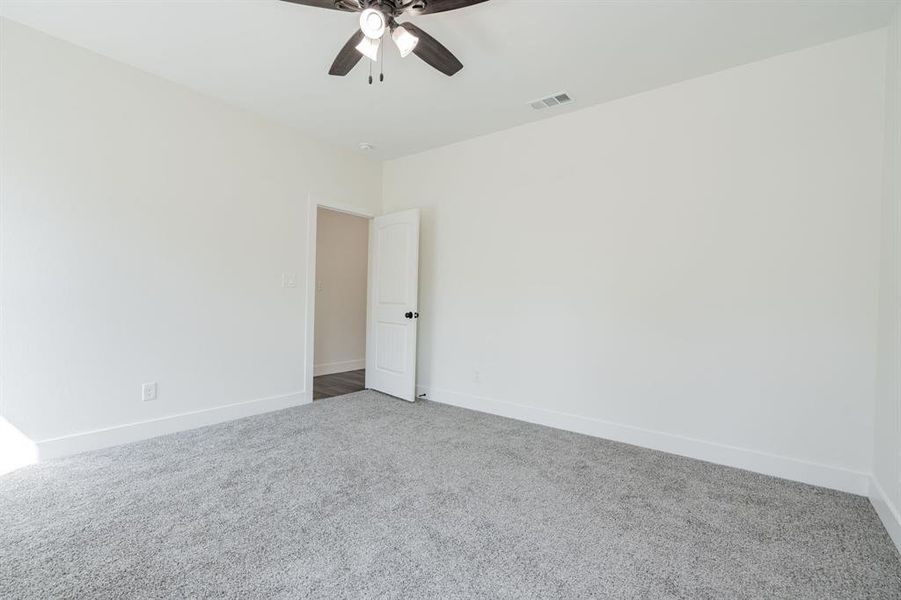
<point x="289" y="280"/>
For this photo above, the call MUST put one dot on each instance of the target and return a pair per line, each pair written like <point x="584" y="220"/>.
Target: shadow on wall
<point x="16" y="450"/>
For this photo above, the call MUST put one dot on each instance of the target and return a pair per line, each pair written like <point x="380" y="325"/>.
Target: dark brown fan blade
<point x="431" y="51"/>
<point x="345" y="5"/>
<point x="436" y="6"/>
<point x="348" y="57"/>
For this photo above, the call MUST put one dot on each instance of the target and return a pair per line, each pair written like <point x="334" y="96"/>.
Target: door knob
<point x="408" y="315"/>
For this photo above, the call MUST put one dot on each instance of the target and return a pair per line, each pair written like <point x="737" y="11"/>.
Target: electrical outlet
<point x="477" y="376"/>
<point x="148" y="392"/>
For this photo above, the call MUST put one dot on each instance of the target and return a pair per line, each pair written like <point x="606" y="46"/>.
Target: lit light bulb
<point x="404" y="40"/>
<point x="372" y="23"/>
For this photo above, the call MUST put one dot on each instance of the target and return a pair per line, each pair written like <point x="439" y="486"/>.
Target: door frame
<point x="314" y="204"/>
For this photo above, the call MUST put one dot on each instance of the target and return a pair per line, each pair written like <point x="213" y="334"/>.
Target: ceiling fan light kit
<point x="404" y="40"/>
<point x="380" y="16"/>
<point x="372" y="23"/>
<point x="369" y="47"/>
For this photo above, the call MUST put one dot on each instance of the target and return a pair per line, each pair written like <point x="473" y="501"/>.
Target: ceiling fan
<point x="378" y="17"/>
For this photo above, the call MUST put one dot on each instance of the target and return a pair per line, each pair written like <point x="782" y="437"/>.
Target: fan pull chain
<point x="370" y="71"/>
<point x="381" y="62"/>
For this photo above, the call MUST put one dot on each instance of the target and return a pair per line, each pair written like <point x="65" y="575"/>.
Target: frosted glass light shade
<point x="404" y="40"/>
<point x="369" y="48"/>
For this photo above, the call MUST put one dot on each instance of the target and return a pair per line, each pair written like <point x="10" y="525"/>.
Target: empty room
<point x="452" y="299"/>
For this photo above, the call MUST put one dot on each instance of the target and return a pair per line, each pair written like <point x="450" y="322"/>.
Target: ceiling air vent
<point x="551" y="101"/>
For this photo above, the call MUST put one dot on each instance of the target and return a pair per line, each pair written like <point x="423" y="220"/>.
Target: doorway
<point x="340" y="278"/>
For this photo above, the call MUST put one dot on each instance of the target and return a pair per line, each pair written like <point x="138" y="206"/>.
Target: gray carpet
<point x="363" y="496"/>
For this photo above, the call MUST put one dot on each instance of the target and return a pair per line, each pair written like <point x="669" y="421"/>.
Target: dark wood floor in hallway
<point x="338" y="384"/>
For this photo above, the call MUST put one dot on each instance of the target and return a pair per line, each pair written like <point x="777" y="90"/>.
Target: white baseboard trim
<point x="133" y="432"/>
<point x="887" y="511"/>
<point x="339" y="367"/>
<point x="836" y="478"/>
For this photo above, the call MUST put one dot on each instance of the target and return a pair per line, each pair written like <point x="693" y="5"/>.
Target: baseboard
<point x="836" y="478"/>
<point x="887" y="511"/>
<point x="339" y="367"/>
<point x="133" y="432"/>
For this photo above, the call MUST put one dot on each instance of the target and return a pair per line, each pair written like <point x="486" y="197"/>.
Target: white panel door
<point x="393" y="304"/>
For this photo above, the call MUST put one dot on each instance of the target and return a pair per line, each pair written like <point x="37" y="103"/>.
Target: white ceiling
<point x="272" y="57"/>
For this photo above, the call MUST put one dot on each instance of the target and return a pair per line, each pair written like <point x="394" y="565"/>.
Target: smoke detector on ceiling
<point x="366" y="147"/>
<point x="551" y="101"/>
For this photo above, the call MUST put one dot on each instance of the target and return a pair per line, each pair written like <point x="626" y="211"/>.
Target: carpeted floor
<point x="363" y="496"/>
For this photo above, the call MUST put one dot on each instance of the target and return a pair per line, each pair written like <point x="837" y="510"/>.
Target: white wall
<point x="145" y="230"/>
<point x="887" y="456"/>
<point x="693" y="268"/>
<point x="342" y="259"/>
